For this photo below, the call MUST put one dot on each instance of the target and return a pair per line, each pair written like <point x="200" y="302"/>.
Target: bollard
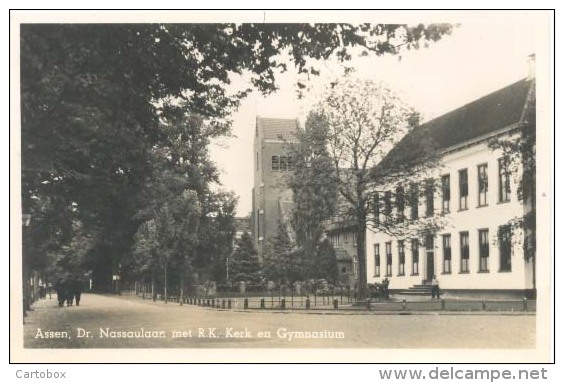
<point x="213" y="302"/>
<point x="246" y="303"/>
<point x="525" y="304"/>
<point x="308" y="303"/>
<point x="262" y="303"/>
<point x="283" y="303"/>
<point x="484" y="304"/>
<point x="229" y="303"/>
<point x="335" y="304"/>
<point x="368" y="304"/>
<point x="223" y="304"/>
<point x="404" y="304"/>
<point x="442" y="304"/>
<point x="199" y="302"/>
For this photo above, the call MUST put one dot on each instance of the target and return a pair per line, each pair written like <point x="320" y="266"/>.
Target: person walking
<point x="435" y="292"/>
<point x="386" y="288"/>
<point x="69" y="291"/>
<point x="77" y="289"/>
<point x="60" y="289"/>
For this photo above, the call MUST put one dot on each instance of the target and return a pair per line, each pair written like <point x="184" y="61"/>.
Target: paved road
<point x="129" y="322"/>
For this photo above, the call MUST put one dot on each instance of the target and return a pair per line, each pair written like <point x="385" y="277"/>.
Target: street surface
<point x="103" y="321"/>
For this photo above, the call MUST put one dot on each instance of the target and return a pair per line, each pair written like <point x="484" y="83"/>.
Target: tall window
<point x="447" y="254"/>
<point x="483" y="236"/>
<point x="415" y="256"/>
<point x="464" y="252"/>
<point x="414" y="201"/>
<point x="388" y="259"/>
<point x="482" y="185"/>
<point x="376" y="209"/>
<point x="445" y="186"/>
<point x="504" y="238"/>
<point x="504" y="179"/>
<point x="429" y="197"/>
<point x="463" y="188"/>
<point x="401" y="261"/>
<point x="400" y="203"/>
<point x="335" y="239"/>
<point x="275" y="163"/>
<point x="354" y="240"/>
<point x="377" y="260"/>
<point x="388" y="206"/>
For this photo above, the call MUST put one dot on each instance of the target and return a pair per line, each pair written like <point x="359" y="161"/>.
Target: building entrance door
<point x="429" y="250"/>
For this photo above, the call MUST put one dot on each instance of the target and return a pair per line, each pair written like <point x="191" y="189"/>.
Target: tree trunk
<point x="153" y="296"/>
<point x="361" y="254"/>
<point x="181" y="289"/>
<point x="165" y="283"/>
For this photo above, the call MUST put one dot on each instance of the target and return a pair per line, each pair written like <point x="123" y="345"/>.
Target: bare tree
<point x="364" y="121"/>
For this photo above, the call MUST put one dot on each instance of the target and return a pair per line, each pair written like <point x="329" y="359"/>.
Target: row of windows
<point x="279" y="163"/>
<point x="282" y="163"/>
<point x="385" y="207"/>
<point x="504" y="244"/>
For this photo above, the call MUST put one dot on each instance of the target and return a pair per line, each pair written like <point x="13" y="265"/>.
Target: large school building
<point x="476" y="248"/>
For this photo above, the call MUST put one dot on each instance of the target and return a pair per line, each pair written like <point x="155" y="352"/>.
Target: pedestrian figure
<point x="61" y="293"/>
<point x="69" y="291"/>
<point x="435" y="292"/>
<point x="42" y="292"/>
<point x="385" y="286"/>
<point x="77" y="289"/>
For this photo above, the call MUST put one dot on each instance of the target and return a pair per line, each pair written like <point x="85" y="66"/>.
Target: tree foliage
<point x="519" y="151"/>
<point x="364" y="121"/>
<point x="325" y="265"/>
<point x="244" y="263"/>
<point x="217" y="230"/>
<point x="282" y="261"/>
<point x="100" y="101"/>
<point x="312" y="182"/>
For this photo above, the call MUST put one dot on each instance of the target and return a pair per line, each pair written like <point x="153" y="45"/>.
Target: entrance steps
<point x="423" y="289"/>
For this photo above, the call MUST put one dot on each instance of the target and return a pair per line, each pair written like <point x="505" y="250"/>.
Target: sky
<point x="479" y="57"/>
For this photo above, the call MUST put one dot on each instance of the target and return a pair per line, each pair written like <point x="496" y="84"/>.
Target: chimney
<point x="531" y="66"/>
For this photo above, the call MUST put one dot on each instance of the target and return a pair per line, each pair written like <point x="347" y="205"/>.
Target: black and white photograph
<point x="281" y="186"/>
